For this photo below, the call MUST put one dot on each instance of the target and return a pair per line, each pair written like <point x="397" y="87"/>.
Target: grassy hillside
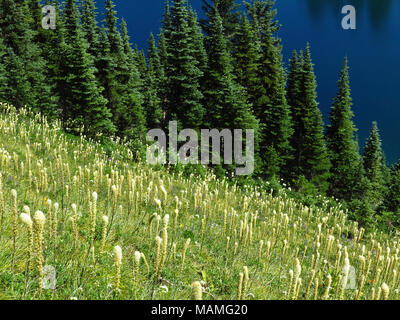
<point x="172" y="230"/>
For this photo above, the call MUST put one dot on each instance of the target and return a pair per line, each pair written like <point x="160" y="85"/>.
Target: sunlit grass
<point x="116" y="229"/>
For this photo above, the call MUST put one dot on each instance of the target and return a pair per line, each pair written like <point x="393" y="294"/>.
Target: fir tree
<point x="226" y="101"/>
<point x="219" y="78"/>
<point x="183" y="93"/>
<point x="260" y="69"/>
<point x="163" y="85"/>
<point x="373" y="154"/>
<point x="43" y="95"/>
<point x="50" y="42"/>
<point x="154" y="61"/>
<point x="163" y="51"/>
<point x="341" y="142"/>
<point x="3" y="74"/>
<point x="273" y="110"/>
<point x="82" y="102"/>
<point x="163" y="54"/>
<point x="167" y="21"/>
<point x="294" y="98"/>
<point x="132" y="121"/>
<point x="196" y="34"/>
<point x="13" y="42"/>
<point x="154" y="78"/>
<point x="262" y="14"/>
<point x="105" y="67"/>
<point x="392" y="197"/>
<point x="18" y="33"/>
<point x="165" y="34"/>
<point x="124" y="84"/>
<point x="107" y="75"/>
<point x="36" y="16"/>
<point x="373" y="165"/>
<point x="114" y="37"/>
<point x="17" y="87"/>
<point x="294" y="79"/>
<point x="89" y="26"/>
<point x="227" y="9"/>
<point x="14" y="26"/>
<point x="140" y="61"/>
<point x="248" y="56"/>
<point x="311" y="157"/>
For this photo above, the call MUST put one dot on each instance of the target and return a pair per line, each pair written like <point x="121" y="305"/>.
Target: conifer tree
<point x="229" y="14"/>
<point x="248" y="56"/>
<point x="3" y="74"/>
<point x="274" y="111"/>
<point x="294" y="79"/>
<point x="341" y="142"/>
<point x="44" y="97"/>
<point x="154" y="78"/>
<point x="166" y="21"/>
<point x="311" y="157"/>
<point x="164" y="37"/>
<point x="196" y="34"/>
<point x="133" y="120"/>
<point x="114" y="90"/>
<point x="262" y="14"/>
<point x="50" y="42"/>
<point x="124" y="84"/>
<point x="114" y="37"/>
<point x="272" y="106"/>
<point x="164" y="55"/>
<point x="17" y="29"/>
<point x="36" y="17"/>
<point x="154" y="60"/>
<point x="82" y="102"/>
<point x="373" y="164"/>
<point x="104" y="63"/>
<point x="89" y="26"/>
<point x="183" y="94"/>
<point x="294" y="98"/>
<point x="392" y="197"/>
<point x="164" y="73"/>
<point x="260" y="69"/>
<point x="141" y="63"/>
<point x="386" y="171"/>
<point x="226" y="101"/>
<point x="17" y="87"/>
<point x="163" y="85"/>
<point x="373" y="154"/>
<point x="105" y="73"/>
<point x="361" y="188"/>
<point x="14" y="25"/>
<point x="219" y="78"/>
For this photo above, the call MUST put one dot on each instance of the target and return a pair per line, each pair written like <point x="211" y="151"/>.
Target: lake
<point x="373" y="51"/>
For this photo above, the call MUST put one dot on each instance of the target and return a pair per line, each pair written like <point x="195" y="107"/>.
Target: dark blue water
<point x="373" y="51"/>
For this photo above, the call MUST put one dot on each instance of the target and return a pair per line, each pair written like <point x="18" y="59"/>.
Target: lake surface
<point x="373" y="51"/>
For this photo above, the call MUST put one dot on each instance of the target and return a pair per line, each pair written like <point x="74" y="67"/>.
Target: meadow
<point x="114" y="228"/>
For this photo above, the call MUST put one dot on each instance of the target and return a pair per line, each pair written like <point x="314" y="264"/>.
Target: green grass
<point x="41" y="164"/>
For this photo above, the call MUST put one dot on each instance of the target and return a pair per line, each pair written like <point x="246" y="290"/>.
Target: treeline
<point x="224" y="71"/>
